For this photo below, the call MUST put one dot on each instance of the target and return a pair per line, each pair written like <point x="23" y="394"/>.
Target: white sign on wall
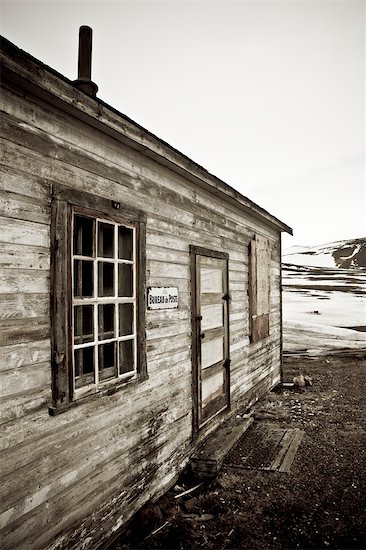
<point x="162" y="297"/>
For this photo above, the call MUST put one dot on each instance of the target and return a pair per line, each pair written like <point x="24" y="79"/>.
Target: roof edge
<point x="41" y="80"/>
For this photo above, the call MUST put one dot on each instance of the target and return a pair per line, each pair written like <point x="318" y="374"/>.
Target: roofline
<point x="33" y="76"/>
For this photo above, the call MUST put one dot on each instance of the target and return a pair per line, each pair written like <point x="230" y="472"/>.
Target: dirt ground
<point x="319" y="503"/>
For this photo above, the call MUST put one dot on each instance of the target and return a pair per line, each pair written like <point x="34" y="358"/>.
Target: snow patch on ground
<point x="321" y="308"/>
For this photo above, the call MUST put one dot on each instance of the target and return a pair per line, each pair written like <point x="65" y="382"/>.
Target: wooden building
<point x="140" y="296"/>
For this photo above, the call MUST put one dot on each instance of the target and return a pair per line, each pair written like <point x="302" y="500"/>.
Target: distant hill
<point x="343" y="254"/>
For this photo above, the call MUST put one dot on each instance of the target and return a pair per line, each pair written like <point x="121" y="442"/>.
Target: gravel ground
<point x="319" y="503"/>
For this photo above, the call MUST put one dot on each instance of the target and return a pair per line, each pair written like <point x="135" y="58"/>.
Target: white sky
<point x="268" y="95"/>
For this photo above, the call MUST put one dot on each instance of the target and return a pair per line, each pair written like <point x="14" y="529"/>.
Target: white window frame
<point x="96" y="300"/>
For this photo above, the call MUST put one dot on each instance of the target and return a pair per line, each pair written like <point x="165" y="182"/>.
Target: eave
<point x="39" y="80"/>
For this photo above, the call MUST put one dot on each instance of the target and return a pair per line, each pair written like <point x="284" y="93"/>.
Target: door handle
<point x="202" y="335"/>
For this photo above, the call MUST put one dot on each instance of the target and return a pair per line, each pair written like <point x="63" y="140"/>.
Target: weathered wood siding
<point x="81" y="475"/>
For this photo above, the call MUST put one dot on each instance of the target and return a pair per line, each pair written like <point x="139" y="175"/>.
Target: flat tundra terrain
<point x="296" y="478"/>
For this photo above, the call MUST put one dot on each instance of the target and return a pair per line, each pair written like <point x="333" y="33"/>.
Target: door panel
<point x="211" y="279"/>
<point x="212" y="351"/>
<point x="210" y="334"/>
<point x="212" y="316"/>
<point x="212" y="387"/>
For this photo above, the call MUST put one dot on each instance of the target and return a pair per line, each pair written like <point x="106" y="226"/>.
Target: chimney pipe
<point x="84" y="81"/>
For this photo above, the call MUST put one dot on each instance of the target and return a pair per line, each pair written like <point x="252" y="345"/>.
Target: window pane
<point x="83" y="278"/>
<point x="107" y="361"/>
<point x="105" y="240"/>
<point x="125" y="243"/>
<point x="105" y="279"/>
<point x="126" y="359"/>
<point x="83" y="324"/>
<point x="125" y="319"/>
<point x="84" y="235"/>
<point x="125" y="280"/>
<point x="84" y="367"/>
<point x="105" y="321"/>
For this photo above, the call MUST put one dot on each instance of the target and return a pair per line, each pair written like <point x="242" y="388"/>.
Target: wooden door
<point x="211" y="364"/>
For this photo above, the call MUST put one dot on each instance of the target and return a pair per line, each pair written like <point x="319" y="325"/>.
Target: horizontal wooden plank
<point x="19" y="207"/>
<point x="76" y="134"/>
<point x="26" y="378"/>
<point x="234" y="214"/>
<point x="20" y="406"/>
<point x="238" y="285"/>
<point x="109" y="183"/>
<point x="24" y="232"/>
<point x="164" y="346"/>
<point x="118" y="489"/>
<point x="98" y="167"/>
<point x="15" y="180"/>
<point x="18" y="305"/>
<point x="239" y="276"/>
<point x="238" y="316"/>
<point x="41" y="432"/>
<point x="163" y="254"/>
<point x="159" y="363"/>
<point x="32" y="281"/>
<point x="119" y="440"/>
<point x="24" y="256"/>
<point x="213" y="239"/>
<point x="182" y="284"/>
<point x="19" y="355"/>
<point x="166" y="316"/>
<point x="164" y="269"/>
<point x="239" y="265"/>
<point x="17" y="331"/>
<point x="168" y="330"/>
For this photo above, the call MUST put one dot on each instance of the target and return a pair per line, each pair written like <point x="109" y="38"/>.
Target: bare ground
<point x="319" y="503"/>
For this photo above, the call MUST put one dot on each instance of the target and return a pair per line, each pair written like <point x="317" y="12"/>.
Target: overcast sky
<point x="268" y="95"/>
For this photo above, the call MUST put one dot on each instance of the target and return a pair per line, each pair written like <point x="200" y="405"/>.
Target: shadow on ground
<point x="318" y="502"/>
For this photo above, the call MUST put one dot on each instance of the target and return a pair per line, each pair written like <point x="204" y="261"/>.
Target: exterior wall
<point x="88" y="470"/>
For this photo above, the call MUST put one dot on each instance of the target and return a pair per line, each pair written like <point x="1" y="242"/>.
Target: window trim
<point x="64" y="202"/>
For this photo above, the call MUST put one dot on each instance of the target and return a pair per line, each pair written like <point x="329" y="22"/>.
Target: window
<point x="259" y="288"/>
<point x="98" y="289"/>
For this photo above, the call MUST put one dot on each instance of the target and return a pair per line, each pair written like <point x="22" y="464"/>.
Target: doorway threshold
<point x="207" y="460"/>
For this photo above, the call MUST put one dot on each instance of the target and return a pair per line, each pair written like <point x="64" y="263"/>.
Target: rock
<point x="308" y="380"/>
<point x="299" y="381"/>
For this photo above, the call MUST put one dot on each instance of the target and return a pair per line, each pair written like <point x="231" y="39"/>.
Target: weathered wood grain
<point x="24" y="256"/>
<point x="19" y="207"/>
<point x="24" y="184"/>
<point x="23" y="232"/>
<point x="29" y="377"/>
<point x="18" y="407"/>
<point x="27" y="281"/>
<point x="18" y="306"/>
<point x="91" y="468"/>
<point x="14" y="331"/>
<point x="29" y="353"/>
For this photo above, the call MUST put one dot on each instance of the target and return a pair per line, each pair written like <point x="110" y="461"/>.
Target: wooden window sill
<point x="112" y="388"/>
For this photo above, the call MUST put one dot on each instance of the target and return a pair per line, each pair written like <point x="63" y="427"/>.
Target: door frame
<point x="194" y="252"/>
